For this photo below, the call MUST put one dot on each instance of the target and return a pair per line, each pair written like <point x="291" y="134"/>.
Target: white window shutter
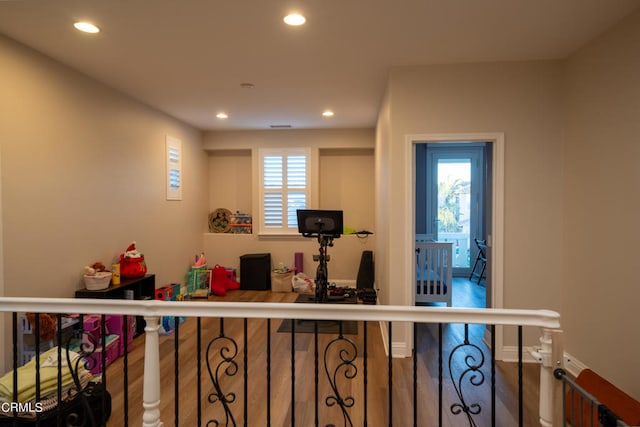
<point x="284" y="188"/>
<point x="174" y="168"/>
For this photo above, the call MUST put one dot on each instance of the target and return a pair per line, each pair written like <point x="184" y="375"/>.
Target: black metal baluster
<point x="125" y="380"/>
<point x="440" y="376"/>
<point x="364" y="364"/>
<point x="103" y="355"/>
<point x="199" y="368"/>
<point x="347" y="352"/>
<point x="520" y="402"/>
<point x="268" y="372"/>
<point x="293" y="372"/>
<point x="390" y="369"/>
<point x="59" y="355"/>
<point x="227" y="351"/>
<point x="316" y="371"/>
<point x="473" y="358"/>
<point x="176" y="375"/>
<point x="415" y="374"/>
<point x="246" y="374"/>
<point x="15" y="359"/>
<point x="493" y="375"/>
<point x="37" y="338"/>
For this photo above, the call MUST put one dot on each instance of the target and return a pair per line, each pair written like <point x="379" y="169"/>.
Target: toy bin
<point x="91" y="322"/>
<point x="91" y="326"/>
<point x="114" y="327"/>
<point x="112" y="353"/>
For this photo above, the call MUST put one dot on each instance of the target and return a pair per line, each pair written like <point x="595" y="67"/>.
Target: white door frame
<point x="495" y="239"/>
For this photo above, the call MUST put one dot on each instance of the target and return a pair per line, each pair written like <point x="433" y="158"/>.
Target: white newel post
<point x="551" y="354"/>
<point x="151" y="390"/>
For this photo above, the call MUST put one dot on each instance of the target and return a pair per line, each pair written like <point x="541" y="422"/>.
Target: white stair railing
<point x="548" y="321"/>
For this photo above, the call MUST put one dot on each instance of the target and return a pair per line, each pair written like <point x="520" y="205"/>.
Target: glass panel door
<point x="454" y="207"/>
<point x="454" y="201"/>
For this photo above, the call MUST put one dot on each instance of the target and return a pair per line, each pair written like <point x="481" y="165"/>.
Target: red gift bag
<point x="132" y="267"/>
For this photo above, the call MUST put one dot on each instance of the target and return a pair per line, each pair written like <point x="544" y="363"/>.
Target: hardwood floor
<point x="281" y="410"/>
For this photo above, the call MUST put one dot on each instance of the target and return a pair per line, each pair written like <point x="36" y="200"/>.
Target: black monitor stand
<point x="326" y="225"/>
<point x="322" y="276"/>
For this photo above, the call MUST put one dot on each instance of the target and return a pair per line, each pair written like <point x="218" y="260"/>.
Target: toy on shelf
<point x="132" y="263"/>
<point x="222" y="281"/>
<point x="240" y="223"/>
<point x="96" y="276"/>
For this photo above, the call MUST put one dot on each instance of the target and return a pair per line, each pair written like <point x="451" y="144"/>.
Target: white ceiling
<point x="188" y="57"/>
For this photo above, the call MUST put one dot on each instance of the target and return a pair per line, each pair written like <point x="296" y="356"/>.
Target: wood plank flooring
<point x="281" y="395"/>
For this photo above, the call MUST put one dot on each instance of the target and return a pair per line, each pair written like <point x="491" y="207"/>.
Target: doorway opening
<point x="493" y="222"/>
<point x="450" y="207"/>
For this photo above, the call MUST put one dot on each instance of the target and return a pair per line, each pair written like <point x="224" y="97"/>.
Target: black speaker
<point x="255" y="272"/>
<point x="366" y="271"/>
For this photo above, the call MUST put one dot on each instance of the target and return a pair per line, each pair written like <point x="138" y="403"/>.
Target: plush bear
<point x="47" y="325"/>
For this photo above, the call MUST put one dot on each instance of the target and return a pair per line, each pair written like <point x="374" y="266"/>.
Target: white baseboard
<point x="510" y="354"/>
<point x="398" y="348"/>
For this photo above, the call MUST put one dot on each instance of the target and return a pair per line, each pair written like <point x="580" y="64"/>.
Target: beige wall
<point x="315" y="138"/>
<point x="384" y="225"/>
<point x="83" y="175"/>
<point x="345" y="164"/>
<point x="523" y="101"/>
<point x="602" y="205"/>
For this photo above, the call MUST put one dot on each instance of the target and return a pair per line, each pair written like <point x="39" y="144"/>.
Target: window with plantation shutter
<point x="174" y="168"/>
<point x="284" y="188"/>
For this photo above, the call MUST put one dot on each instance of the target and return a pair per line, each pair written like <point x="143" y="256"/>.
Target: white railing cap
<point x="263" y="310"/>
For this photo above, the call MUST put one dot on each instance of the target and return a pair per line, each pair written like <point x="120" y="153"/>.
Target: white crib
<point x="433" y="272"/>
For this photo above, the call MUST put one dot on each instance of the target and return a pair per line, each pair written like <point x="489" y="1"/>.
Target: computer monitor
<point x="319" y="222"/>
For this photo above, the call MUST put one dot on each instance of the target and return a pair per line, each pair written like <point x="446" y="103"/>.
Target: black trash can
<point x="255" y="272"/>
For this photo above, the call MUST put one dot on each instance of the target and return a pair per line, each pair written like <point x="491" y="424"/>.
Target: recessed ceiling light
<point x="86" y="27"/>
<point x="247" y="85"/>
<point x="328" y="113"/>
<point x="294" y="19"/>
<point x="222" y="115"/>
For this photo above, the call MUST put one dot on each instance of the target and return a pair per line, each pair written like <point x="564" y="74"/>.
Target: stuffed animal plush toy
<point x="220" y="281"/>
<point x="47" y="325"/>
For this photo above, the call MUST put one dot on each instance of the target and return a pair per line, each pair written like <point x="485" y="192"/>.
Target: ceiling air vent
<point x="280" y="126"/>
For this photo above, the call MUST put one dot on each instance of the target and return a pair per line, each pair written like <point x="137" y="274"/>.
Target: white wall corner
<point x="399" y="349"/>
